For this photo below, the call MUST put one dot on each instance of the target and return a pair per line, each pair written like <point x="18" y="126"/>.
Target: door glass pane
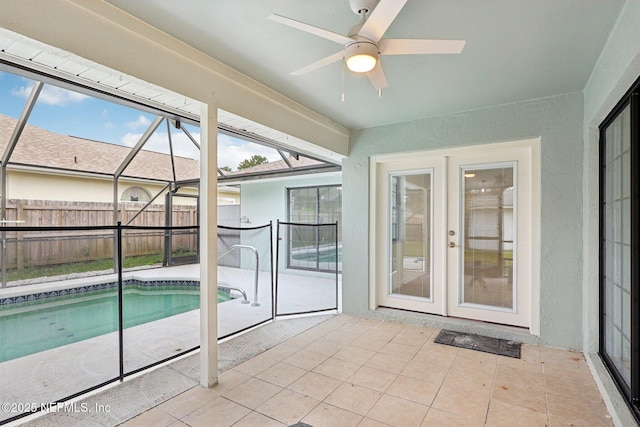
<point x="488" y="236"/>
<point x="410" y="232"/>
<point x="617" y="244"/>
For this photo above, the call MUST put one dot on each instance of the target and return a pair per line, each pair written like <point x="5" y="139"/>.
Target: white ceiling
<point x="516" y="50"/>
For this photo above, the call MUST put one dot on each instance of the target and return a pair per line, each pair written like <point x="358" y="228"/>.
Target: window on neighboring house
<point x="314" y="205"/>
<point x="135" y="194"/>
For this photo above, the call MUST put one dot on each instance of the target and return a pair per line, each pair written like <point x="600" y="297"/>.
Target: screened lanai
<point x="107" y="224"/>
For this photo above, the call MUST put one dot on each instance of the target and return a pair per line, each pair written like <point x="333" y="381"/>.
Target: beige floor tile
<point x="300" y="341"/>
<point x="398" y="412"/>
<point x="177" y="423"/>
<point x="315" y="385"/>
<point x="153" y="417"/>
<point x="220" y="412"/>
<point x="280" y="352"/>
<point x="400" y="350"/>
<point x="256" y="365"/>
<point x="228" y="380"/>
<point x="325" y="415"/>
<point x="255" y="419"/>
<point x="518" y="387"/>
<point x="481" y="379"/>
<point x="306" y="359"/>
<point x="438" y="418"/>
<point x="336" y="368"/>
<point x="434" y="372"/>
<point x="414" y="336"/>
<point x="465" y="400"/>
<point x="571" y="410"/>
<point x="384" y="331"/>
<point x="281" y="374"/>
<point x="188" y="401"/>
<point x="356" y="355"/>
<point x="530" y="359"/>
<point x="325" y="347"/>
<point x="288" y="407"/>
<point x="415" y="390"/>
<point x="572" y="386"/>
<point x="503" y="414"/>
<point x="252" y="393"/>
<point x="369" y="422"/>
<point x="366" y="343"/>
<point x="387" y="362"/>
<point x="353" y="398"/>
<point x="374" y="379"/>
<point x="341" y="336"/>
<point x="444" y="350"/>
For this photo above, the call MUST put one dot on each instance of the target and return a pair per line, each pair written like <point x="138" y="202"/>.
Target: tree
<point x="255" y="160"/>
<point x="226" y="169"/>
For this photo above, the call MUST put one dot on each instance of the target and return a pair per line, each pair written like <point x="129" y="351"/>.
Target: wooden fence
<point x="28" y="248"/>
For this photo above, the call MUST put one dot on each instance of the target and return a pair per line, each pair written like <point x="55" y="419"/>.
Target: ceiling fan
<point x="364" y="45"/>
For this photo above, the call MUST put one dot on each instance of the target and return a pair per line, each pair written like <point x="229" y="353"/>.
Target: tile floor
<point x="349" y="371"/>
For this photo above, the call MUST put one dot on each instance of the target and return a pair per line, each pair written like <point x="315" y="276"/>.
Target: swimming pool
<point x="33" y="325"/>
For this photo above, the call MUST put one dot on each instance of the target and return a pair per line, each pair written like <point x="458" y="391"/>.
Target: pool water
<point x="28" y="330"/>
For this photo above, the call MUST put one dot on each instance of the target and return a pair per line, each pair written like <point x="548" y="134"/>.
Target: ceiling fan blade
<point x="321" y="63"/>
<point x="419" y="47"/>
<point x="381" y="18"/>
<point x="377" y="77"/>
<point x="320" y="32"/>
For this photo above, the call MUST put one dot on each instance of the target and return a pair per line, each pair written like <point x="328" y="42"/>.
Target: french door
<point x="454" y="233"/>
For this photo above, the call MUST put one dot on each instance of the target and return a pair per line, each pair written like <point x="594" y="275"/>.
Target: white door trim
<point x="376" y="239"/>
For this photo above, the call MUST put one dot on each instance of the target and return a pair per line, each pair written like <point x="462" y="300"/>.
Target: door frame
<point x="377" y="239"/>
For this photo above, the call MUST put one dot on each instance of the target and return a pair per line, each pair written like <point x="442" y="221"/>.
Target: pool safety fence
<point x="76" y="366"/>
<point x="312" y="252"/>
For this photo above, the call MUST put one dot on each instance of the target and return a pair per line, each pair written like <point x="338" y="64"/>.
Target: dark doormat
<point x="497" y="346"/>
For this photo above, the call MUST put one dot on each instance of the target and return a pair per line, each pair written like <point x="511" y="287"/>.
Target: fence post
<point x="120" y="308"/>
<point x="19" y="236"/>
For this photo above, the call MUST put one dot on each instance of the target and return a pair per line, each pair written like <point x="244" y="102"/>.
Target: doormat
<point x="498" y="346"/>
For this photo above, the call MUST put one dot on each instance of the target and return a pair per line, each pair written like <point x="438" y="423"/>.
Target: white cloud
<point x="158" y="142"/>
<point x="108" y="125"/>
<point x="51" y="95"/>
<point x="142" y="121"/>
<point x="231" y="151"/>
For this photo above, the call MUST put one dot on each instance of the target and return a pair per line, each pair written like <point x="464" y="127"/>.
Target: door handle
<point x="452" y="245"/>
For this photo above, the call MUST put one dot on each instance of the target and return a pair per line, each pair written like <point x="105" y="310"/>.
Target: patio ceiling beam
<point x="134" y="151"/>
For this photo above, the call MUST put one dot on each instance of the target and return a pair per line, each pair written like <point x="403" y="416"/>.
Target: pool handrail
<point x="255" y="252"/>
<point x="224" y="285"/>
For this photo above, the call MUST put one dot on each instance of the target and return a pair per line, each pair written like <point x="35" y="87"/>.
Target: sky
<point x="71" y="113"/>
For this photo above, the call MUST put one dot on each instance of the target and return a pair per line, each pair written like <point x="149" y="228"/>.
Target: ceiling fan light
<point x="361" y="57"/>
<point x="361" y="63"/>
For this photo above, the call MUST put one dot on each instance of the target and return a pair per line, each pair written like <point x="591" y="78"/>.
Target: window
<point x="619" y="238"/>
<point x="135" y="194"/>
<point x="314" y="205"/>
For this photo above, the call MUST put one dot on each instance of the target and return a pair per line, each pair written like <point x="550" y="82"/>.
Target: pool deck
<point x="62" y="371"/>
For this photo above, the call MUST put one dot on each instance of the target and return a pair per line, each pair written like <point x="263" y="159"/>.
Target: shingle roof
<point x="40" y="147"/>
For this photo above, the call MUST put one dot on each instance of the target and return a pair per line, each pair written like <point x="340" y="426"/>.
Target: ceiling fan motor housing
<point x="366" y="5"/>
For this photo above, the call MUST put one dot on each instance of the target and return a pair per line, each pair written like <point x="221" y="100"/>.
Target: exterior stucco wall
<point x="558" y="122"/>
<point x="39" y="186"/>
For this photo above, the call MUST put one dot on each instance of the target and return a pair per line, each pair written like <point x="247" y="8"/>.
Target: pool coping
<point x="81" y="285"/>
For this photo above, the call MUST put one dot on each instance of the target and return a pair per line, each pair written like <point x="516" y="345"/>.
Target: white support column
<point x="208" y="246"/>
